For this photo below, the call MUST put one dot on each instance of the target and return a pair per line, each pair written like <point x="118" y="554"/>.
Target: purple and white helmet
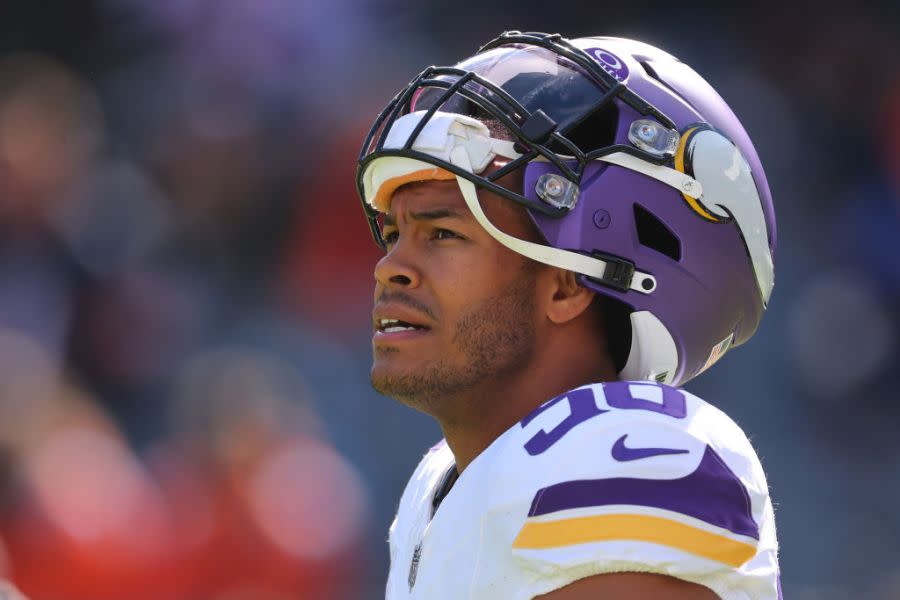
<point x="636" y="172"/>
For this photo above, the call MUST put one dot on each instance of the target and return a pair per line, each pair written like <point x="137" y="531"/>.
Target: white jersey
<point x="614" y="477"/>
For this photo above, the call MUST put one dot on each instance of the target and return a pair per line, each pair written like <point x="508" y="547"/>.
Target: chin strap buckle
<point x="618" y="274"/>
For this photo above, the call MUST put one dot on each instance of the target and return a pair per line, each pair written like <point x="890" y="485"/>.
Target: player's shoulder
<point x="637" y="476"/>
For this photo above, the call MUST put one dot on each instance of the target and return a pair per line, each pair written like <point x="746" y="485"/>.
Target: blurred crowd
<point x="185" y="284"/>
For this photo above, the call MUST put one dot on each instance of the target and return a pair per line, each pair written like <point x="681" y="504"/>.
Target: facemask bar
<point x="429" y="79"/>
<point x="459" y="87"/>
<point x="571" y="165"/>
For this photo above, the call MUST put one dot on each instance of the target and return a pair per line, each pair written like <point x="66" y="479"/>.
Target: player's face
<point x="464" y="305"/>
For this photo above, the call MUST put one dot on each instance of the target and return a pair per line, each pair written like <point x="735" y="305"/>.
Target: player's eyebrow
<point x="426" y="215"/>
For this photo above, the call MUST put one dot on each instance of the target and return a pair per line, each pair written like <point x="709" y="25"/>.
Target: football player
<point x="573" y="229"/>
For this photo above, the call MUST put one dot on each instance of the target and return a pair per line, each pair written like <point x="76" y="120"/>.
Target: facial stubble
<point x="495" y="340"/>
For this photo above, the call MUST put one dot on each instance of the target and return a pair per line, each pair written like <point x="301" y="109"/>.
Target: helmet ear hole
<point x="614" y="315"/>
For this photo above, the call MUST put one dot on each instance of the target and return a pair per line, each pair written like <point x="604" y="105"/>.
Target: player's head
<point x="637" y="175"/>
<point x="466" y="307"/>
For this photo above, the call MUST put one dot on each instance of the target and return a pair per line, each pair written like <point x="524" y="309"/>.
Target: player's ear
<point x="567" y="298"/>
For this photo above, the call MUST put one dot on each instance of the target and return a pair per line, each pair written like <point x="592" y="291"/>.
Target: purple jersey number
<point x="582" y="407"/>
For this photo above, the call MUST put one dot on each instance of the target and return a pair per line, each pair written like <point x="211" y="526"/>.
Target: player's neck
<point x="485" y="413"/>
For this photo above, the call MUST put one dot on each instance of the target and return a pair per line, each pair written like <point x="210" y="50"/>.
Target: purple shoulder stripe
<point x="712" y="493"/>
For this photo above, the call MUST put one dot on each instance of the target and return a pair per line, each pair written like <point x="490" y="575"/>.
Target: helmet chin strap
<point x="555" y="257"/>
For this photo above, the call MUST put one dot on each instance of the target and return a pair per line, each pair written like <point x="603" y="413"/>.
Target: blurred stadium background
<point x="185" y="281"/>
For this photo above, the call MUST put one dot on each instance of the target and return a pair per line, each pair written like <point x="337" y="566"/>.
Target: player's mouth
<point x="395" y="330"/>
<point x="396" y="323"/>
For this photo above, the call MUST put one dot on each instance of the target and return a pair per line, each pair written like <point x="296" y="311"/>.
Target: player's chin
<point x="389" y="382"/>
<point x="388" y="366"/>
<point x="394" y="374"/>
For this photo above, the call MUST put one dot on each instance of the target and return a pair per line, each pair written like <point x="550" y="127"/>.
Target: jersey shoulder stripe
<point x="711" y="493"/>
<point x="634" y="527"/>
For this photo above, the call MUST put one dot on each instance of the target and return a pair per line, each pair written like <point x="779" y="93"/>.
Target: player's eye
<point x="445" y="234"/>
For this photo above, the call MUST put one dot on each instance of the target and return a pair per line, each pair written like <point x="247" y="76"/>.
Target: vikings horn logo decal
<point x="714" y="161"/>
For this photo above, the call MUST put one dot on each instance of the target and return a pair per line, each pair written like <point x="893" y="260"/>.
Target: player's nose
<point x="397" y="268"/>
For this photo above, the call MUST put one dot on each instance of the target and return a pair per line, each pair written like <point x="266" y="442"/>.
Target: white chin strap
<point x="555" y="257"/>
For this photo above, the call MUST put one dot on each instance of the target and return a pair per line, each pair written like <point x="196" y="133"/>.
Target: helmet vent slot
<point x="651" y="72"/>
<point x="654" y="234"/>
